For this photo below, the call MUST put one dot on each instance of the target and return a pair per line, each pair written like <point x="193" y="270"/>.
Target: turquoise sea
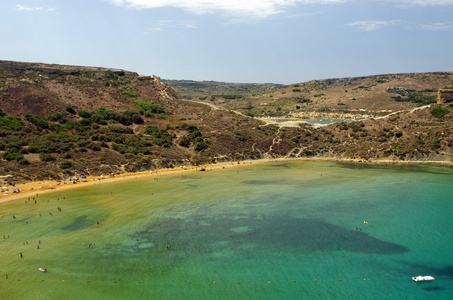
<point x="271" y="231"/>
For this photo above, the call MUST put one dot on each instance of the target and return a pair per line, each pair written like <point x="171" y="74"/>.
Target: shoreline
<point x="44" y="187"/>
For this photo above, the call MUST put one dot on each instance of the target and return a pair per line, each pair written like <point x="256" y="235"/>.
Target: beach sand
<point x="32" y="189"/>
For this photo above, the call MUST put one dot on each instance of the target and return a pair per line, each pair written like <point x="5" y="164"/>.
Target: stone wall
<point x="445" y="96"/>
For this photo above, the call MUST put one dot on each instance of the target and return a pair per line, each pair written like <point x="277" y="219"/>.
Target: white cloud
<point x="242" y="8"/>
<point x="371" y="25"/>
<point x="436" y="26"/>
<point x="21" y="7"/>
<point x="29" y="8"/>
<point x="163" y="25"/>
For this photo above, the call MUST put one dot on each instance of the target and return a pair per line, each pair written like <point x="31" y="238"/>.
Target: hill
<point x="59" y="121"/>
<point x="340" y="98"/>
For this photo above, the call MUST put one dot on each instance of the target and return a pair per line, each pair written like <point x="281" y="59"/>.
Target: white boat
<point x="422" y="278"/>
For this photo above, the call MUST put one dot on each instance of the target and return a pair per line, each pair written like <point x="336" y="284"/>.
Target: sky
<point x="249" y="41"/>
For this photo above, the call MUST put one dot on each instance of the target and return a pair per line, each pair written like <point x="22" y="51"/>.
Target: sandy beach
<point x="40" y="187"/>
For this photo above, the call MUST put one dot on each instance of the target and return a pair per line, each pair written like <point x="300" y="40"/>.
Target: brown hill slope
<point x="58" y="121"/>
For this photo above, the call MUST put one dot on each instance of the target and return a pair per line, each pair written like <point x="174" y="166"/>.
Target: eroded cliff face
<point x="445" y="96"/>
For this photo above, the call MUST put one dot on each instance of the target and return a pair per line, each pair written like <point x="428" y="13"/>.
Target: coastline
<point x="41" y="187"/>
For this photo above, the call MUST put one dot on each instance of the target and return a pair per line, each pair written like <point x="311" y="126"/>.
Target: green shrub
<point x="11" y="123"/>
<point x="23" y="162"/>
<point x="83" y="128"/>
<point x="422" y="99"/>
<point x="240" y="136"/>
<point x="159" y="136"/>
<point x="37" y="121"/>
<point x="188" y="127"/>
<point x="46" y="157"/>
<point x="439" y="112"/>
<point x="128" y="90"/>
<point x="303" y="100"/>
<point x="94" y="146"/>
<point x="66" y="164"/>
<point x="84" y="114"/>
<point x="117" y="129"/>
<point x="200" y="146"/>
<point x="85" y="122"/>
<point x="184" y="141"/>
<point x="56" y="127"/>
<point x="231" y="97"/>
<point x="436" y="144"/>
<point x="13" y="156"/>
<point x="137" y="119"/>
<point x="56" y="117"/>
<point x="70" y="108"/>
<point x="148" y="108"/>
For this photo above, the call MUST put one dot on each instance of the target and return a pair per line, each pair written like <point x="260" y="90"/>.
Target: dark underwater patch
<point x="78" y="224"/>
<point x="291" y="234"/>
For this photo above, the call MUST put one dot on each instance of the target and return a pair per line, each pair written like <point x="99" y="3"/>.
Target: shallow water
<point x="273" y="231"/>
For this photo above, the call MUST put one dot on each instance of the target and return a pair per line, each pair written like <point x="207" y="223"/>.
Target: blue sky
<point x="262" y="41"/>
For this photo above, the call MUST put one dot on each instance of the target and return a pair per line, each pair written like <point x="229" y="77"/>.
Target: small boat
<point x="423" y="278"/>
<point x="42" y="270"/>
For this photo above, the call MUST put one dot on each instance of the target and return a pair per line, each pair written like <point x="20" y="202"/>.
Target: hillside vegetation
<point x="58" y="121"/>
